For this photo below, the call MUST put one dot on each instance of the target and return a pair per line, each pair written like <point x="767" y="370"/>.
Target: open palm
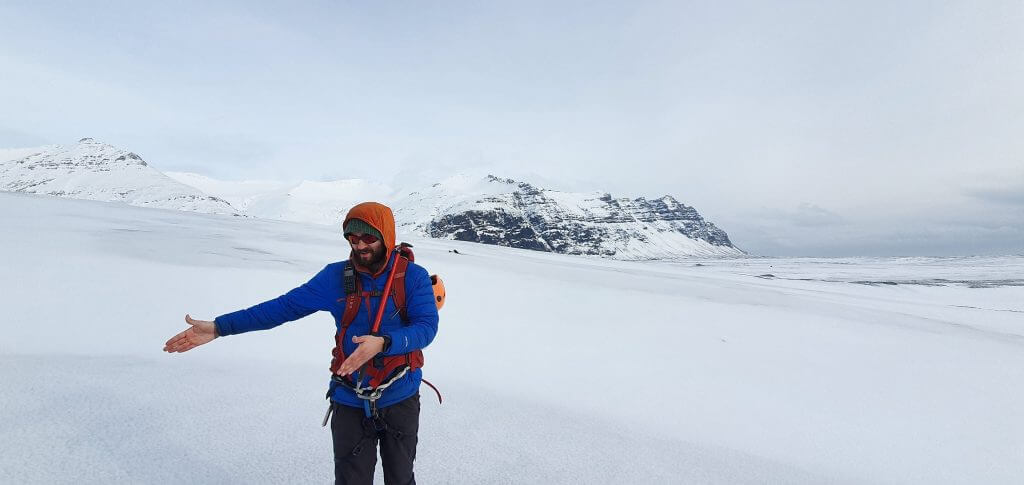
<point x="198" y="333"/>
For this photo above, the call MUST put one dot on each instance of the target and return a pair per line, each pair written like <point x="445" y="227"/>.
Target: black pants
<point x="355" y="443"/>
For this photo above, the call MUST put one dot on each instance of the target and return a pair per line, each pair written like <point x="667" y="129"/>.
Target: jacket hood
<point x="377" y="215"/>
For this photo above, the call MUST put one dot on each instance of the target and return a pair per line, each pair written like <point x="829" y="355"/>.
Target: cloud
<point x="945" y="228"/>
<point x="874" y="130"/>
<point x="1010" y="193"/>
<point x="877" y="238"/>
<point x="804" y="214"/>
<point x="12" y="138"/>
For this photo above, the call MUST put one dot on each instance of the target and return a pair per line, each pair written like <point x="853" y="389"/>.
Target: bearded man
<point x="374" y="390"/>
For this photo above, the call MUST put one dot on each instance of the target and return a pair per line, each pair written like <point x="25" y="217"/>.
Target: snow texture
<point x="555" y="369"/>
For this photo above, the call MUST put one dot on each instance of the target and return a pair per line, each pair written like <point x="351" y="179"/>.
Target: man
<point x="357" y="422"/>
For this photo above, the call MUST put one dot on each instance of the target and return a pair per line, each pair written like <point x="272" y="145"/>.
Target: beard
<point x="370" y="257"/>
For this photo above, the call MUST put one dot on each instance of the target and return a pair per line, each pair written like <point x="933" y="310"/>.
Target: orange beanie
<point x="377" y="215"/>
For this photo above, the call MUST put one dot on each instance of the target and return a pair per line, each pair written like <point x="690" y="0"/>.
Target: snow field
<point x="555" y="369"/>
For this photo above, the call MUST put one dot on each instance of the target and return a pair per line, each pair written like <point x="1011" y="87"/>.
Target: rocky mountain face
<point x="97" y="171"/>
<point x="517" y="214"/>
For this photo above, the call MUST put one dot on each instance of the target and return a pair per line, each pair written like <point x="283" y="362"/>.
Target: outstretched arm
<point x="199" y="332"/>
<point x="297" y="303"/>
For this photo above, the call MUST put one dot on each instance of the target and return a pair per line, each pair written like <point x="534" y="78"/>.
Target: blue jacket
<point x="325" y="292"/>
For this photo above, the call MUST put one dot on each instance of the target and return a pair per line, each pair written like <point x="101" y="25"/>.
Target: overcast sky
<point x="812" y="128"/>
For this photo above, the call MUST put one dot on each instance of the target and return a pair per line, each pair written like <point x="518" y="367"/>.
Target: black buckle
<point x="349" y="278"/>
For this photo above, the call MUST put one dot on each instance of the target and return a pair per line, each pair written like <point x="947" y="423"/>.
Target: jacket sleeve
<point x="422" y="311"/>
<point x="297" y="303"/>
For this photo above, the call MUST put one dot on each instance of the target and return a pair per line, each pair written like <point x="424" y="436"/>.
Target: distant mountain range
<point x="486" y="209"/>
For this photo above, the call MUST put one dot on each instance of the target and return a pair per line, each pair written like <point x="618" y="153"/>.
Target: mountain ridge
<point x="485" y="209"/>
<point x="513" y="213"/>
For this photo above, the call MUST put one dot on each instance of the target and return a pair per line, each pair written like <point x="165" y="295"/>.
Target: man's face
<point x="367" y="254"/>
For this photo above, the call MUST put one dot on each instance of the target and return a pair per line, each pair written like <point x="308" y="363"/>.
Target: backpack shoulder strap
<point x="398" y="288"/>
<point x="352" y="300"/>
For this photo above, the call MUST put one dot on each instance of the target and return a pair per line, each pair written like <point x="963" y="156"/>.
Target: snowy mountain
<point x="482" y="209"/>
<point x="98" y="171"/>
<point x="305" y="201"/>
<point x="493" y="210"/>
<point x="505" y="212"/>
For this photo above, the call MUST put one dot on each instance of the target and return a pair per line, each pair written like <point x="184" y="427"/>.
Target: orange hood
<point x="377" y="215"/>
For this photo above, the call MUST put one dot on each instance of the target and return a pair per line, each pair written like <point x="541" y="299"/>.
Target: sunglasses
<point x="366" y="238"/>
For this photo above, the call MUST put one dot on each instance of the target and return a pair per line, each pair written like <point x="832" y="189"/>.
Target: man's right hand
<point x="199" y="333"/>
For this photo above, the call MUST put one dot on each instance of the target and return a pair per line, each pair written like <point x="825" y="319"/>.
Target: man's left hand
<point x="369" y="346"/>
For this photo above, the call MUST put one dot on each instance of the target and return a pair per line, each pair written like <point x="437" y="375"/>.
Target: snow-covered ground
<point x="555" y="369"/>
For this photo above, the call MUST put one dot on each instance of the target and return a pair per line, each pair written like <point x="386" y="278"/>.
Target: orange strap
<point x="384" y="298"/>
